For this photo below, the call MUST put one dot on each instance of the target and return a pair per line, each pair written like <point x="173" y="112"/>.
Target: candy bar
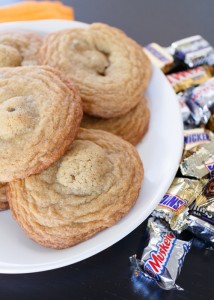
<point x="174" y="205"/>
<point x="163" y="258"/>
<point x="192" y="50"/>
<point x="182" y="80"/>
<point x="159" y="57"/>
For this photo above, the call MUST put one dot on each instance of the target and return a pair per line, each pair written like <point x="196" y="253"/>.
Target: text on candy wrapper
<point x="171" y="201"/>
<point x="157" y="262"/>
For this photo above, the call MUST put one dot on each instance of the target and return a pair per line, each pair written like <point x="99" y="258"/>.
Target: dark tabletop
<point x="108" y="275"/>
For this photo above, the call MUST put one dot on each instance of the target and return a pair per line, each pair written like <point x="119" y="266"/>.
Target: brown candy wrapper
<point x="175" y="204"/>
<point x="210" y="124"/>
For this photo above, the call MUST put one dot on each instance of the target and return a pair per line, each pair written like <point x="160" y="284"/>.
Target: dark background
<point x="108" y="275"/>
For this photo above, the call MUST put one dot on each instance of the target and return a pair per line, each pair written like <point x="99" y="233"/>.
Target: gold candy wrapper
<point x="175" y="204"/>
<point x="159" y="56"/>
<point x="198" y="152"/>
<point x="197" y="136"/>
<point x="194" y="161"/>
<point x="180" y="81"/>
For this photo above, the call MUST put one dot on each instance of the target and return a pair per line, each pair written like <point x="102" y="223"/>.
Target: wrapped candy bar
<point x="193" y="51"/>
<point x="163" y="257"/>
<point x="182" y="80"/>
<point x="201" y="229"/>
<point x="174" y="205"/>
<point x="185" y="111"/>
<point x="197" y="136"/>
<point x="203" y="95"/>
<point x="195" y="159"/>
<point x="159" y="57"/>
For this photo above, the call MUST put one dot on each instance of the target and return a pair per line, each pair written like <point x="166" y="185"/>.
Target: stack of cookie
<point x="111" y="73"/>
<point x="63" y="183"/>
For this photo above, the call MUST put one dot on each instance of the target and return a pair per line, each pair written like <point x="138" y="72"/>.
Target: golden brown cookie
<point x="90" y="188"/>
<point x="131" y="127"/>
<point x="40" y="113"/>
<point x="19" y="48"/>
<point x="110" y="70"/>
<point x="3" y="200"/>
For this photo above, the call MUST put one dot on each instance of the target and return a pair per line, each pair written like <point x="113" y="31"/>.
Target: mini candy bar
<point x="163" y="258"/>
<point x="194" y="161"/>
<point x="198" y="114"/>
<point x="203" y="95"/>
<point x="175" y="203"/>
<point x="206" y="60"/>
<point x="201" y="213"/>
<point x="185" y="111"/>
<point x="207" y="195"/>
<point x="192" y="50"/>
<point x="185" y="79"/>
<point x="205" y="213"/>
<point x="159" y="57"/>
<point x="196" y="136"/>
<point x="201" y="229"/>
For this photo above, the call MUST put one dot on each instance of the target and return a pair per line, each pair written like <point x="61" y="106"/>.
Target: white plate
<point x="160" y="151"/>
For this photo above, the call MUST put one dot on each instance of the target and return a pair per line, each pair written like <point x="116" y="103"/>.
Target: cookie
<point x="110" y="70"/>
<point x="89" y="189"/>
<point x="40" y="113"/>
<point x="131" y="127"/>
<point x="3" y="200"/>
<point x="19" y="48"/>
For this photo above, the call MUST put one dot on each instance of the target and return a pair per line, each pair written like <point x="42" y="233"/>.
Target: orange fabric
<point x="32" y="10"/>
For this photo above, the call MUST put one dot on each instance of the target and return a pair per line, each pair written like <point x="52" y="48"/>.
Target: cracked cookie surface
<point x="131" y="127"/>
<point x="40" y="113"/>
<point x="19" y="48"/>
<point x="90" y="188"/>
<point x="110" y="70"/>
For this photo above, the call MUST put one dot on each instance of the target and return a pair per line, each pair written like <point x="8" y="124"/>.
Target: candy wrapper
<point x="193" y="51"/>
<point x="196" y="158"/>
<point x="203" y="95"/>
<point x="159" y="57"/>
<point x="185" y="111"/>
<point x="175" y="204"/>
<point x="201" y="229"/>
<point x="210" y="123"/>
<point x="180" y="81"/>
<point x="201" y="213"/>
<point x="163" y="257"/>
<point x="197" y="136"/>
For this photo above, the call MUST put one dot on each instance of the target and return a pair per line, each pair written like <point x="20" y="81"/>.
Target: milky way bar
<point x="192" y="50"/>
<point x="159" y="57"/>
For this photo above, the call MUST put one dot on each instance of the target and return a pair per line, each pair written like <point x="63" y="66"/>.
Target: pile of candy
<point x="188" y="204"/>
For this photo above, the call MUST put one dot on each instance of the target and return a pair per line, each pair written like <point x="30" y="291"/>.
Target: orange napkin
<point x="32" y="10"/>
